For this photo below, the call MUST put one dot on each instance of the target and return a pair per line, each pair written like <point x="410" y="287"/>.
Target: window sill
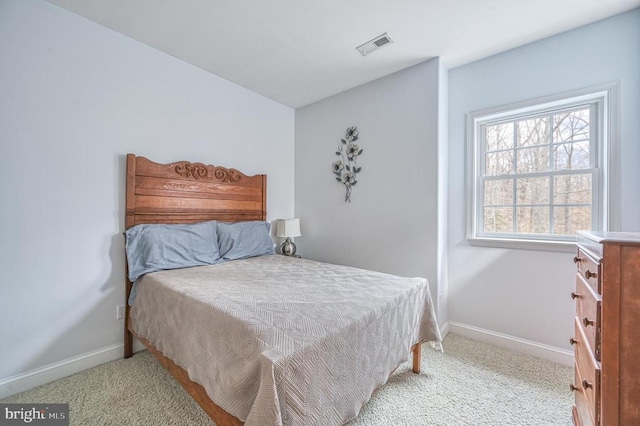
<point x="561" y="246"/>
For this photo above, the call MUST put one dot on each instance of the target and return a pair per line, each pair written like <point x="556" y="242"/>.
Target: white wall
<point x="75" y="97"/>
<point x="73" y="91"/>
<point x="443" y="195"/>
<point x="391" y="223"/>
<point x="525" y="293"/>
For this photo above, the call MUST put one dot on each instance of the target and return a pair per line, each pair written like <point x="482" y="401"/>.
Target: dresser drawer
<point x="582" y="413"/>
<point x="590" y="270"/>
<point x="609" y="264"/>
<point x="588" y="311"/>
<point x="588" y="370"/>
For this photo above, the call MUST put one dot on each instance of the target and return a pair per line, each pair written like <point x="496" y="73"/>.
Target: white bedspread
<point x="277" y="340"/>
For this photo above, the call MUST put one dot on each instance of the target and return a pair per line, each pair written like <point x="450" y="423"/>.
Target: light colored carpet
<point x="472" y="383"/>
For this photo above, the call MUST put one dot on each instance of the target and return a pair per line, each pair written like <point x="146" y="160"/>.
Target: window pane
<point x="499" y="163"/>
<point x="567" y="220"/>
<point x="498" y="192"/>
<point x="533" y="190"/>
<point x="498" y="219"/>
<point x="571" y="126"/>
<point x="533" y="220"/>
<point x="531" y="160"/>
<point x="572" y="189"/>
<point x="499" y="136"/>
<point x="571" y="156"/>
<point x="533" y="132"/>
<point x="538" y="164"/>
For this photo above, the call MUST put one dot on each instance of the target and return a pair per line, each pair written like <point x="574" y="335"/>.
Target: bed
<point x="267" y="339"/>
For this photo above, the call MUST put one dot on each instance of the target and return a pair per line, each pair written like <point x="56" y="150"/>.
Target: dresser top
<point x="612" y="237"/>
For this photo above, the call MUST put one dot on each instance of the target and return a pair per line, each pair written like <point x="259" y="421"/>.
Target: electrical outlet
<point x="120" y="310"/>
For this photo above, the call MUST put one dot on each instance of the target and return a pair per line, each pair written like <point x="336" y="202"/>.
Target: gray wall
<point x="391" y="223"/>
<point x="75" y="98"/>
<point x="524" y="293"/>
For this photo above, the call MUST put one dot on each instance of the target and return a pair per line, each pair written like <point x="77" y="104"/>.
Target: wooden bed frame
<point x="185" y="192"/>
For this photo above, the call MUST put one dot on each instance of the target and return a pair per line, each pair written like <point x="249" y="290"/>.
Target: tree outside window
<point x="539" y="170"/>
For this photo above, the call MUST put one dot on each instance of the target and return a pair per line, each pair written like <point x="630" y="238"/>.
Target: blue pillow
<point x="244" y="239"/>
<point x="155" y="247"/>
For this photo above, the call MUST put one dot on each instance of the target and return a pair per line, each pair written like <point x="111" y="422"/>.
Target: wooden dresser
<point x="607" y="329"/>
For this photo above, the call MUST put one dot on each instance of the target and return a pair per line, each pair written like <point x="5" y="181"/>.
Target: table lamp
<point x="288" y="228"/>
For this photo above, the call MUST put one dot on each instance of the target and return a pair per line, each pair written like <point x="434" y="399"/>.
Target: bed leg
<point x="417" y="350"/>
<point x="128" y="344"/>
<point x="128" y="336"/>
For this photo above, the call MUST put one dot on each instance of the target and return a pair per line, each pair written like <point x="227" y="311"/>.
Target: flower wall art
<point x="346" y="168"/>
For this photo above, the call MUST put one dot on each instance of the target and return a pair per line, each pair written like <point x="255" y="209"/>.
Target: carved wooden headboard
<point x="185" y="192"/>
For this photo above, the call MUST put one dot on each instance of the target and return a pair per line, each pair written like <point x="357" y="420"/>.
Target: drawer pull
<point x="577" y="259"/>
<point x="574" y="295"/>
<point x="586" y="385"/>
<point x="573" y="341"/>
<point x="588" y="274"/>
<point x="573" y="387"/>
<point x="587" y="322"/>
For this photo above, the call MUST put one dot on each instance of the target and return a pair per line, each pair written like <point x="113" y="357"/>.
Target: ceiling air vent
<point x="375" y="44"/>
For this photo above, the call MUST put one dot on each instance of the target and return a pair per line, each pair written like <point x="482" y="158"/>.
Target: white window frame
<point x="604" y="164"/>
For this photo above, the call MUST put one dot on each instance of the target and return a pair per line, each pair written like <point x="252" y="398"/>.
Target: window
<point x="540" y="170"/>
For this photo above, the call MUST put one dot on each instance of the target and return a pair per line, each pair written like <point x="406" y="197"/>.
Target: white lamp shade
<point x="288" y="228"/>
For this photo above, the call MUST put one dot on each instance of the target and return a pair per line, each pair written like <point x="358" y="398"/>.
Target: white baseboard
<point x="49" y="373"/>
<point x="516" y="344"/>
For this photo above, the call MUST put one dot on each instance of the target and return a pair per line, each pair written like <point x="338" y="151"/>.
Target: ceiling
<point x="299" y="51"/>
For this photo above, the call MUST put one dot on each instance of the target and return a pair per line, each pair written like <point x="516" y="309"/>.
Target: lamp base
<point x="288" y="248"/>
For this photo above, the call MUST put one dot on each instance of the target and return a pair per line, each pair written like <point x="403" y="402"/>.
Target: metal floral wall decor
<point x="346" y="168"/>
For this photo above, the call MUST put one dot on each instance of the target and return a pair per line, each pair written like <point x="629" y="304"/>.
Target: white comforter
<point x="277" y="340"/>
